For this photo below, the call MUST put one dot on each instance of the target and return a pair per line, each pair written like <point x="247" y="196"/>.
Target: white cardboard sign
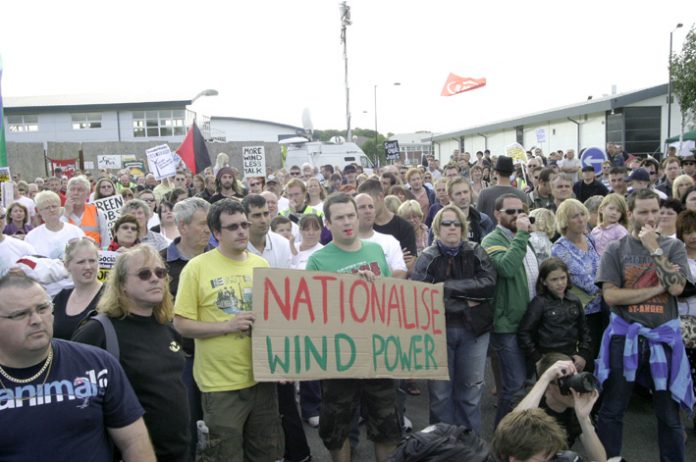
<point x="254" y="161"/>
<point x="160" y="162"/>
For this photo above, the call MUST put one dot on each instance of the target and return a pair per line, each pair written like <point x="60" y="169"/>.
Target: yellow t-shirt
<point x="213" y="288"/>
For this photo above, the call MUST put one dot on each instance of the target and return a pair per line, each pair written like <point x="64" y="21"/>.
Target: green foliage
<point x="684" y="74"/>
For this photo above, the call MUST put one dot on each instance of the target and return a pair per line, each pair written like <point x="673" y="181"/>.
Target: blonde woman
<point x="315" y="194"/>
<point x="543" y="230"/>
<point x="411" y="211"/>
<point x="392" y="203"/>
<point x="611" y="223"/>
<point x="138" y="304"/>
<point x="680" y="185"/>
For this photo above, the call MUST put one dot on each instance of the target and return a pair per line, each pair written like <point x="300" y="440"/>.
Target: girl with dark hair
<point x="555" y="319"/>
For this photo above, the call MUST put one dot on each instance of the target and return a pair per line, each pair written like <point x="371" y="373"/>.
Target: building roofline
<point x="603" y="104"/>
<point x="244" y="119"/>
<point x="85" y="103"/>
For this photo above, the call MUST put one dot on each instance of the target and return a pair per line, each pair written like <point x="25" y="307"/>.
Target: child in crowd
<point x="555" y="319"/>
<point x="543" y="230"/>
<point x="310" y="230"/>
<point x="613" y="219"/>
<point x="283" y="226"/>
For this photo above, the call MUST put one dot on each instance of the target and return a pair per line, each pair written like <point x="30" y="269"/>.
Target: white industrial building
<point x="637" y="120"/>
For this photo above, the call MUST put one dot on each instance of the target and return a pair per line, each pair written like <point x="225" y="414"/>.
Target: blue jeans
<point x="513" y="371"/>
<point x="457" y="401"/>
<point x="617" y="394"/>
<point x="310" y="398"/>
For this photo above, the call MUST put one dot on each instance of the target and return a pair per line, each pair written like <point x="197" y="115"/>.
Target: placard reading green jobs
<point x="313" y="325"/>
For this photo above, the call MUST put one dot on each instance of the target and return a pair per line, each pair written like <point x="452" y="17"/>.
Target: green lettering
<point x="298" y="355"/>
<point x="395" y="341"/>
<point x="406" y="359"/>
<point x="415" y="350"/>
<point x="340" y="367"/>
<point x="376" y="349"/>
<point x="429" y="350"/>
<point x="311" y="351"/>
<point x="274" y="360"/>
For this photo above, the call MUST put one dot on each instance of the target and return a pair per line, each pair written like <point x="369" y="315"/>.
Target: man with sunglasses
<point x="517" y="268"/>
<point x="213" y="306"/>
<point x="60" y="400"/>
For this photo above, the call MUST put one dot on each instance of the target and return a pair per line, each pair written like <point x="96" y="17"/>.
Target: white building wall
<point x="444" y="149"/>
<point x="247" y="130"/>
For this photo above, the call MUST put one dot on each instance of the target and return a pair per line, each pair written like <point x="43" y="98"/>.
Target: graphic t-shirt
<point x="66" y="417"/>
<point x="334" y="260"/>
<point x="628" y="265"/>
<point x="214" y="288"/>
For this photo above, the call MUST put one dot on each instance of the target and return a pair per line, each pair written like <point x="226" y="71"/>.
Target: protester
<point x="478" y="224"/>
<point x="543" y="230"/>
<point x="469" y="278"/>
<point x="488" y="197"/>
<point x="104" y="188"/>
<point x="226" y="185"/>
<point x="139" y="308"/>
<point x="527" y="435"/>
<point x="640" y="276"/>
<point x="83" y="215"/>
<point x="11" y="249"/>
<point x="612" y="222"/>
<point x="315" y="194"/>
<point x="669" y="210"/>
<point x="92" y="412"/>
<point x="49" y="240"/>
<point x="71" y="306"/>
<point x="686" y="232"/>
<point x="17" y="221"/>
<point x="167" y="226"/>
<point x="141" y="211"/>
<point x="411" y="211"/>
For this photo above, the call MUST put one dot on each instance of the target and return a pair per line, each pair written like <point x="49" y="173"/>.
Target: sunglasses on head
<point x="235" y="226"/>
<point x="448" y="223"/>
<point x="512" y="211"/>
<point x="146" y="273"/>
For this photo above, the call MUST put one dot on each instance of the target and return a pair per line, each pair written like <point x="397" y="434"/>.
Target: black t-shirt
<point x="152" y="357"/>
<point x="566" y="419"/>
<point x="402" y="231"/>
<point x="64" y="325"/>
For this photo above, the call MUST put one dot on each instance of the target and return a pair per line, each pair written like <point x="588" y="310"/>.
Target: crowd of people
<point x="555" y="274"/>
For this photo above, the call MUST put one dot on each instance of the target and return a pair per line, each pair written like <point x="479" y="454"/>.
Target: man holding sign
<point x="213" y="306"/>
<point x="341" y="397"/>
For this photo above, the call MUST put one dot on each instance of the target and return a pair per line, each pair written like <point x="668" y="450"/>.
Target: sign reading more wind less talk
<point x="314" y="325"/>
<point x="160" y="162"/>
<point x="254" y="161"/>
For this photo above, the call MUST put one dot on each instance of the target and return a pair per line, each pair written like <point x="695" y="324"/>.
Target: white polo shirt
<point x="277" y="251"/>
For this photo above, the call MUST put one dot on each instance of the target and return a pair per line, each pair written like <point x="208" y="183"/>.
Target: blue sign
<point x="593" y="156"/>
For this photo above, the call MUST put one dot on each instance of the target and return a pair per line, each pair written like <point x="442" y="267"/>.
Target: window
<point x="159" y="123"/>
<point x="86" y="120"/>
<point x="23" y="123"/>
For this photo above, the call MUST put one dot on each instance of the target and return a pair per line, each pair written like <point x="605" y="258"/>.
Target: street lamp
<point x="396" y="84"/>
<point x="208" y="92"/>
<point x="669" y="84"/>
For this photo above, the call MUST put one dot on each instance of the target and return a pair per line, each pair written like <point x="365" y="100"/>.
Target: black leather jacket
<point x="554" y="325"/>
<point x="471" y="276"/>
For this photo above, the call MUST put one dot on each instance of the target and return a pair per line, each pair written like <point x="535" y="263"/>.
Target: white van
<point x="318" y="153"/>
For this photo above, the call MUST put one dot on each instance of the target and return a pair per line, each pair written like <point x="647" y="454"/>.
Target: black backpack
<point x="442" y="443"/>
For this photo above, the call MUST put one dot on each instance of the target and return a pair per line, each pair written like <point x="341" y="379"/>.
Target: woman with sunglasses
<point x="139" y="305"/>
<point x="125" y="231"/>
<point x="72" y="306"/>
<point x="469" y="277"/>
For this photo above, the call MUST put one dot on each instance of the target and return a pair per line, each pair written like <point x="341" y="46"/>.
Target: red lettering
<point x="343" y="307"/>
<point x="283" y="304"/>
<point x="435" y="311"/>
<point x="324" y="294"/>
<point x="303" y="296"/>
<point x="426" y="306"/>
<point x="377" y="304"/>
<point x="359" y="283"/>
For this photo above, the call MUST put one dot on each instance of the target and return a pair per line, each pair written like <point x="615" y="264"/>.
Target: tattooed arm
<point x="669" y="274"/>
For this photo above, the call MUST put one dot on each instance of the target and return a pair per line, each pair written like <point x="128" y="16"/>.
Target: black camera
<point x="567" y="456"/>
<point x="582" y="382"/>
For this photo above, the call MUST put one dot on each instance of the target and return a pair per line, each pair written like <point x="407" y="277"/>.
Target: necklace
<point x="46" y="365"/>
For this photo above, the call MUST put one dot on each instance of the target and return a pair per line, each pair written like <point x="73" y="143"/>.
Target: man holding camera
<point x="640" y="275"/>
<point x="568" y="397"/>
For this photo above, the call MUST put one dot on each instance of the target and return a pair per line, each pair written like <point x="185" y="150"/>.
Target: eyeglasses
<point x="146" y="273"/>
<point x="448" y="223"/>
<point x="235" y="226"/>
<point x="688" y="163"/>
<point x="294" y="173"/>
<point x="127" y="228"/>
<point x="512" y="211"/>
<point x="44" y="308"/>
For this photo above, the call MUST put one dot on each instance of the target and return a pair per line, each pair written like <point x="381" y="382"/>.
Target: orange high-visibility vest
<point x="90" y="223"/>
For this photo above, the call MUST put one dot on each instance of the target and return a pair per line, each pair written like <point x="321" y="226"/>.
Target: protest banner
<point x="160" y="162"/>
<point x="107" y="260"/>
<point x="111" y="206"/>
<point x="109" y="161"/>
<point x="391" y="150"/>
<point x="313" y="325"/>
<point x="135" y="167"/>
<point x="517" y="152"/>
<point x="254" y="161"/>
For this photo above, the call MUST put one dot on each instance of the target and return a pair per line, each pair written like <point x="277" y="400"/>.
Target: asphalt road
<point x="640" y="429"/>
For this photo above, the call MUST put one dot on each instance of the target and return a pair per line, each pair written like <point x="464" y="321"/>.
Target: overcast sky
<point x="270" y="59"/>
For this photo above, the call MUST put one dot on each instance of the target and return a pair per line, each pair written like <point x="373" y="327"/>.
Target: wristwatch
<point x="658" y="252"/>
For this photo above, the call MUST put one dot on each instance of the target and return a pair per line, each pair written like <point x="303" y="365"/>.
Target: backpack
<point x="442" y="443"/>
<point x="109" y="332"/>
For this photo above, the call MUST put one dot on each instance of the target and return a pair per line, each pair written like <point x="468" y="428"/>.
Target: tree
<point x="684" y="78"/>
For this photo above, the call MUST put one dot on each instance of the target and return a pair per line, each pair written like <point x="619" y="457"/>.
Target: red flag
<point x="193" y="151"/>
<point x="456" y="84"/>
